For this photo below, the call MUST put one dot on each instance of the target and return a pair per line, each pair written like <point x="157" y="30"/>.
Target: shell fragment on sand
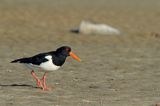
<point x="87" y="27"/>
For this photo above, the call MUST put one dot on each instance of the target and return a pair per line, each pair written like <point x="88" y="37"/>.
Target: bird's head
<point x="66" y="51"/>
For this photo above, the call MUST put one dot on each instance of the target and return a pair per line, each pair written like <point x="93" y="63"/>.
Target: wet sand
<point x="119" y="70"/>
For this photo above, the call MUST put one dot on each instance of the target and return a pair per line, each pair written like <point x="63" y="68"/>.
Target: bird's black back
<point x="57" y="59"/>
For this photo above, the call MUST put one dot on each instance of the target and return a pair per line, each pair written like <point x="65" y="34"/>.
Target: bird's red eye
<point x="68" y="49"/>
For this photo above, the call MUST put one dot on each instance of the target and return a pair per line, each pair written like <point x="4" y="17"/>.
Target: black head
<point x="64" y="50"/>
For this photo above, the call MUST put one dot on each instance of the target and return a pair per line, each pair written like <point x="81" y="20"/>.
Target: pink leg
<point x="45" y="88"/>
<point x="38" y="81"/>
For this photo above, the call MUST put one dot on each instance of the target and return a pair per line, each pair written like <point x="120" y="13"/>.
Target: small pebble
<point x="57" y="83"/>
<point x="9" y="70"/>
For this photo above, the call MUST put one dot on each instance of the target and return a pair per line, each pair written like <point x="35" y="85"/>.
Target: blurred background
<point x="116" y="70"/>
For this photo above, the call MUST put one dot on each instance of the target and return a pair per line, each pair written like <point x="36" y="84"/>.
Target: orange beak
<point x="74" y="56"/>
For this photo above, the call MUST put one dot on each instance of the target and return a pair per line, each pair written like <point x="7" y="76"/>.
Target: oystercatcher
<point x="47" y="62"/>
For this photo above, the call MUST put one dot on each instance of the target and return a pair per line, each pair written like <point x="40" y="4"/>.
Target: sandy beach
<point x="122" y="70"/>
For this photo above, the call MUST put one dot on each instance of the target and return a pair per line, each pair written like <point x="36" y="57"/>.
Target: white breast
<point x="48" y="65"/>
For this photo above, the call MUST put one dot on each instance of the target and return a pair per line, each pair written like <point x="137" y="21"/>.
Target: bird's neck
<point x="60" y="59"/>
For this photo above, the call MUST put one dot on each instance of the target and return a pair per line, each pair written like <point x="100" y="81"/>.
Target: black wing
<point x="37" y="59"/>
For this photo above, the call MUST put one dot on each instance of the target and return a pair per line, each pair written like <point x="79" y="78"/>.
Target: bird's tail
<point x="21" y="60"/>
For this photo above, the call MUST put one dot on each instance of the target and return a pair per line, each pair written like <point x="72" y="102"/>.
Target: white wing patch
<point x="49" y="57"/>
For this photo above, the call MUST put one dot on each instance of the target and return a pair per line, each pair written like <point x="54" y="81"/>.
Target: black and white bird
<point x="47" y="62"/>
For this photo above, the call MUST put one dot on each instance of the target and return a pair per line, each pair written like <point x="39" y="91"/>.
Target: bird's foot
<point x="46" y="88"/>
<point x="39" y="83"/>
